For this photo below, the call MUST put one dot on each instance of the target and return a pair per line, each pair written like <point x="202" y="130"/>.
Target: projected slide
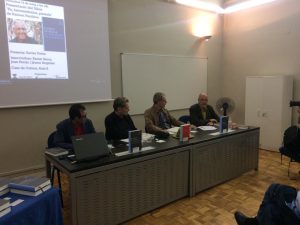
<point x="36" y="40"/>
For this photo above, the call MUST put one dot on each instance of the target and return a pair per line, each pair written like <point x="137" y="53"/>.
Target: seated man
<point x="202" y="114"/>
<point x="119" y="122"/>
<point x="157" y="118"/>
<point x="280" y="206"/>
<point x="76" y="124"/>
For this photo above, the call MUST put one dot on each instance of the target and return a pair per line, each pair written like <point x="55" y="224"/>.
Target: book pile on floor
<point x="4" y="185"/>
<point x="4" y="207"/>
<point x="29" y="185"/>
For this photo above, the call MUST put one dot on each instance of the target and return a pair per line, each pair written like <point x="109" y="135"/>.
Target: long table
<point x="114" y="189"/>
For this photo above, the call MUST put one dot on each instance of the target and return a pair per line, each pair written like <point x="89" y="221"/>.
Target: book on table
<point x="31" y="193"/>
<point x="184" y="133"/>
<point x="224" y="124"/>
<point x="5" y="211"/>
<point x="56" y="151"/>
<point x="4" y="207"/>
<point x="134" y="140"/>
<point x="4" y="203"/>
<point x="29" y="183"/>
<point x="4" y="191"/>
<point x="4" y="183"/>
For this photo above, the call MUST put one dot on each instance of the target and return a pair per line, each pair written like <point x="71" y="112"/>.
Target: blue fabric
<point x="294" y="208"/>
<point x="294" y="205"/>
<point x="163" y="123"/>
<point x="294" y="154"/>
<point x="44" y="209"/>
<point x="273" y="209"/>
<point x="184" y="119"/>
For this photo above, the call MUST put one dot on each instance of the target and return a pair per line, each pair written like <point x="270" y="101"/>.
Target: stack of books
<point x="56" y="151"/>
<point x="29" y="185"/>
<point x="4" y="207"/>
<point x="4" y="185"/>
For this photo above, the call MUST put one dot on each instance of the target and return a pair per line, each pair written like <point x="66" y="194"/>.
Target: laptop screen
<point x="90" y="146"/>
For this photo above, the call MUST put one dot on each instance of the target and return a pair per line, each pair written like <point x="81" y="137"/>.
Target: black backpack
<point x="291" y="137"/>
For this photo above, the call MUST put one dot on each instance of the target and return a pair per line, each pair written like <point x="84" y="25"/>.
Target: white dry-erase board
<point x="181" y="78"/>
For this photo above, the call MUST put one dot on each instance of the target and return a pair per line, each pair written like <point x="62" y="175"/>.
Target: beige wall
<point x="143" y="26"/>
<point x="260" y="41"/>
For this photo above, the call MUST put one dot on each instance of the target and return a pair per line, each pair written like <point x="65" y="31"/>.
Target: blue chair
<point x="51" y="144"/>
<point x="184" y="119"/>
<point x="293" y="154"/>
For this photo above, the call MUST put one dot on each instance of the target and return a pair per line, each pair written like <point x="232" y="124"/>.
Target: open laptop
<point x="90" y="146"/>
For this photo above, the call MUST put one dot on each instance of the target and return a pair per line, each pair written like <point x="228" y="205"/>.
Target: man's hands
<point x="212" y="122"/>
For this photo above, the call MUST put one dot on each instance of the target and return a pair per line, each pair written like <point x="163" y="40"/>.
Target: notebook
<point x="90" y="146"/>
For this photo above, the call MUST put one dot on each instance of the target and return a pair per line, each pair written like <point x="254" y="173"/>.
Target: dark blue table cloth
<point x="44" y="209"/>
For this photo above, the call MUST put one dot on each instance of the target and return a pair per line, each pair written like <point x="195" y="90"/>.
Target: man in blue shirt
<point x="76" y="124"/>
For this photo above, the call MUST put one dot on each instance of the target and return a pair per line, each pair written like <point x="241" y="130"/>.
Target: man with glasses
<point x="76" y="124"/>
<point x="119" y="122"/>
<point x="157" y="118"/>
<point x="202" y="114"/>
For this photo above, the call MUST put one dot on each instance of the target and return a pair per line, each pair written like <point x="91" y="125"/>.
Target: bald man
<point x="202" y="114"/>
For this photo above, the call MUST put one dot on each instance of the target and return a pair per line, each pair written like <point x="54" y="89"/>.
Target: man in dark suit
<point x="119" y="122"/>
<point x="202" y="114"/>
<point x="76" y="124"/>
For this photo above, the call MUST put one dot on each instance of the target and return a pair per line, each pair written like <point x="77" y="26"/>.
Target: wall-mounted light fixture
<point x="205" y="38"/>
<point x="202" y="26"/>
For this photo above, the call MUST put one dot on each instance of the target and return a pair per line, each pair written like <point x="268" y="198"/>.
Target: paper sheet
<point x="17" y="202"/>
<point x="217" y="133"/>
<point x="206" y="128"/>
<point x="135" y="150"/>
<point x="173" y="130"/>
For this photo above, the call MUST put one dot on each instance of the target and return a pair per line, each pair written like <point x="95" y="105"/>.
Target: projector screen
<point x="53" y="52"/>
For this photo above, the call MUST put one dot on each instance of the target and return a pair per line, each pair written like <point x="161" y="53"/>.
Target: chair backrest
<point x="291" y="137"/>
<point x="184" y="118"/>
<point x="50" y="141"/>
